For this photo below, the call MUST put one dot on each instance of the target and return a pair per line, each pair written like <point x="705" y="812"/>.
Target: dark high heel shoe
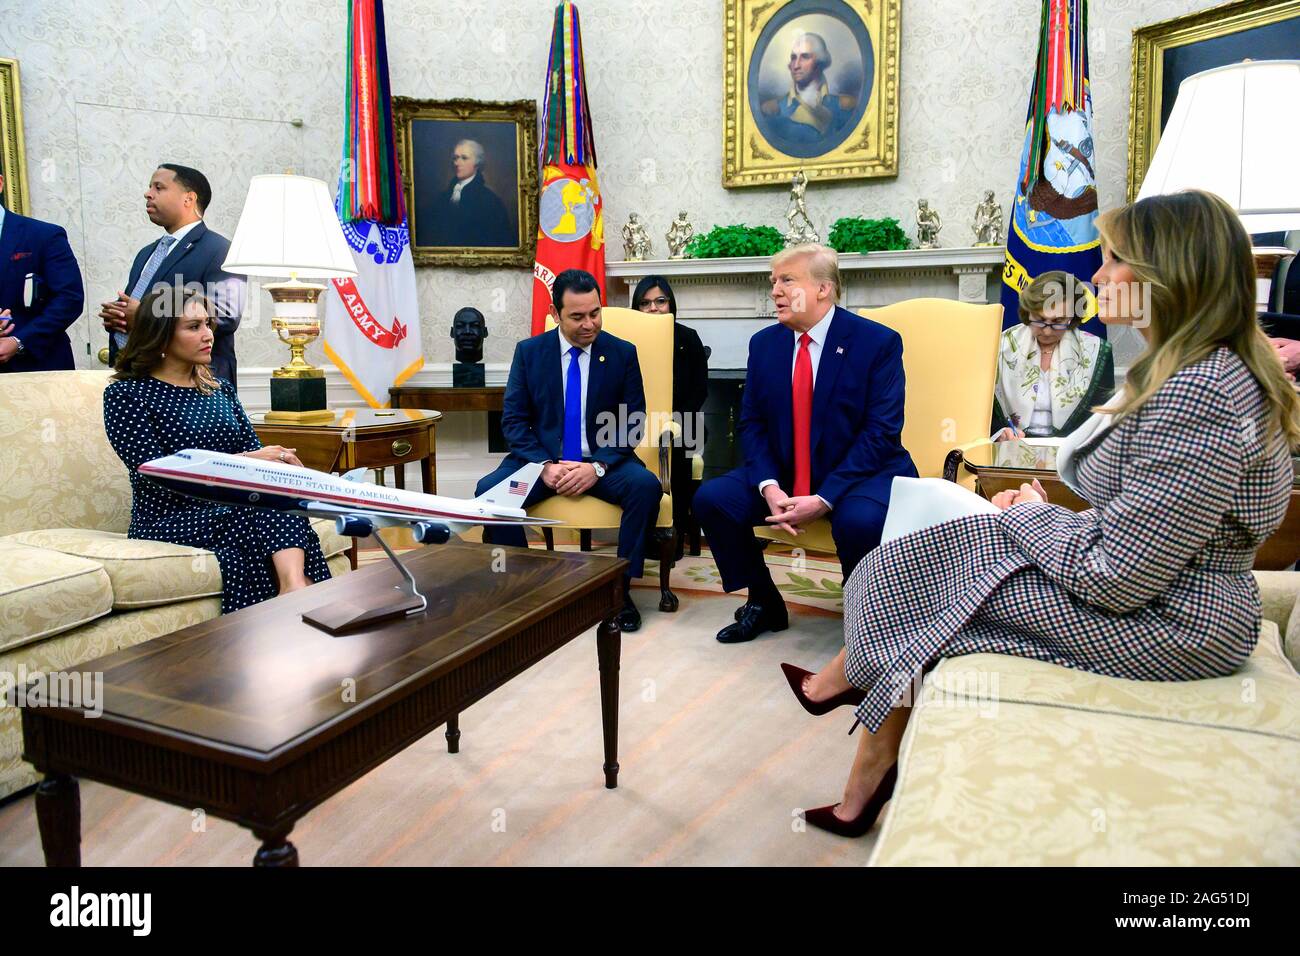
<point x="795" y="676"/>
<point x="824" y="818"/>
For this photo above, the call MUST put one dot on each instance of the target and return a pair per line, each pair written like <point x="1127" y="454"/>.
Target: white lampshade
<point x="289" y="229"/>
<point x="1233" y="132"/>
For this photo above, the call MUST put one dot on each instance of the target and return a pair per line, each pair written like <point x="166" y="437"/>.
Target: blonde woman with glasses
<point x="1050" y="372"/>
<point x="1187" y="470"/>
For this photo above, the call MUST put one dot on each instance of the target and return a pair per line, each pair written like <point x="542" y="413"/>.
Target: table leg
<point x="453" y="734"/>
<point x="276" y="850"/>
<point x="609" y="641"/>
<point x="399" y="475"/>
<point x="428" y="472"/>
<point x="58" y="817"/>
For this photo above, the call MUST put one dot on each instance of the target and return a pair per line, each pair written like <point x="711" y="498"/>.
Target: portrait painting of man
<point x="810" y="81"/>
<point x="465" y="208"/>
<point x="809" y="85"/>
<point x="470" y="175"/>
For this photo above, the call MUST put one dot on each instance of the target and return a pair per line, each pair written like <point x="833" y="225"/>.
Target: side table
<point x="1001" y="465"/>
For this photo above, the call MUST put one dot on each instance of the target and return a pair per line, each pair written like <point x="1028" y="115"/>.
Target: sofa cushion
<point x="1049" y="766"/>
<point x="147" y="573"/>
<point x="44" y="593"/>
<point x="1263" y="696"/>
<point x="58" y="469"/>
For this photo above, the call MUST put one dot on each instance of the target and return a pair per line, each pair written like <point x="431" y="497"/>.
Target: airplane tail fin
<point x="511" y="492"/>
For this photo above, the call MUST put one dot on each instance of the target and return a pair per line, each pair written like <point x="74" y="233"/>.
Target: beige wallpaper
<point x="239" y="87"/>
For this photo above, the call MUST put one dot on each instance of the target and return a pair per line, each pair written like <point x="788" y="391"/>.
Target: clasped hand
<point x="8" y="347"/>
<point x="569" y="478"/>
<point x="118" y="314"/>
<point x="790" y="514"/>
<point x="1020" y="496"/>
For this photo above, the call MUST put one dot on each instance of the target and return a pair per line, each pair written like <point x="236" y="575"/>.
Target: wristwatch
<point x="600" y="469"/>
<point x="19" y="343"/>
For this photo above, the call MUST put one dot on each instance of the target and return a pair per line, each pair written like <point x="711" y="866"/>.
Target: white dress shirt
<point x="817" y="338"/>
<point x="455" y="192"/>
<point x="179" y="235"/>
<point x="584" y="368"/>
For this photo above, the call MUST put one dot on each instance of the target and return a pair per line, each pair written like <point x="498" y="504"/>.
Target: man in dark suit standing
<point x="569" y="391"/>
<point x="820" y="425"/>
<point x="189" y="254"/>
<point x="41" y="294"/>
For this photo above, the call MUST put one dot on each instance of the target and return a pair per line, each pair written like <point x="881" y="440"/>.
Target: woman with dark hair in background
<point x="164" y="399"/>
<point x="690" y="388"/>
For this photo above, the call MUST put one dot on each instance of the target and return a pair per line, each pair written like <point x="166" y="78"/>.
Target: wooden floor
<point x="716" y="759"/>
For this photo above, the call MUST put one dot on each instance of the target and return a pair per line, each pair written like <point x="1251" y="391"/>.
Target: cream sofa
<point x="1008" y="761"/>
<point x="73" y="587"/>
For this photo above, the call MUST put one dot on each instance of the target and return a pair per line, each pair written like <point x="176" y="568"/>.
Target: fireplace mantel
<point x="726" y="300"/>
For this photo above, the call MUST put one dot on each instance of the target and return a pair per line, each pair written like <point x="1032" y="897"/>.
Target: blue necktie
<point x="573" y="409"/>
<point x="146" y="276"/>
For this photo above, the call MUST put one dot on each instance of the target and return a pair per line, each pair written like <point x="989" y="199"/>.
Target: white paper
<point x="919" y="503"/>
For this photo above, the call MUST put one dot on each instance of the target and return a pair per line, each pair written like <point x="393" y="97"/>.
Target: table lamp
<point x="1233" y="132"/>
<point x="289" y="230"/>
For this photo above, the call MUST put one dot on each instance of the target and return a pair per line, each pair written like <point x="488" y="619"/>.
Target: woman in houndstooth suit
<point x="1187" y="472"/>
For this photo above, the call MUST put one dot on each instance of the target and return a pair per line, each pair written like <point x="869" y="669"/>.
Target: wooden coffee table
<point x="257" y="717"/>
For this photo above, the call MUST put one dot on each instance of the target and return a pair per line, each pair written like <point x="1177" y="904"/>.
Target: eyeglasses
<point x="659" y="302"/>
<point x="1054" y="326"/>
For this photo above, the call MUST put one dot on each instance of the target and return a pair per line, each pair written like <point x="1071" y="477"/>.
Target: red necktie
<point x="803" y="399"/>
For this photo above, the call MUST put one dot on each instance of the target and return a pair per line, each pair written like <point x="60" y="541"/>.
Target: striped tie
<point x="146" y="276"/>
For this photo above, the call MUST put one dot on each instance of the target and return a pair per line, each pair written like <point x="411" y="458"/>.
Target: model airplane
<point x="356" y="506"/>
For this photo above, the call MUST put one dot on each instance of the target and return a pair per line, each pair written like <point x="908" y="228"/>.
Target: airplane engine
<point x="354" y="526"/>
<point x="429" y="532"/>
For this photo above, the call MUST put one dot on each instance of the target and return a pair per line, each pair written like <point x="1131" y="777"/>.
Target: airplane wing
<point x="381" y="519"/>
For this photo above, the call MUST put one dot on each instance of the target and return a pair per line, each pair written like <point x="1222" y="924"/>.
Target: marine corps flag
<point x="570" y="217"/>
<point x="1052" y="220"/>
<point x="372" y="321"/>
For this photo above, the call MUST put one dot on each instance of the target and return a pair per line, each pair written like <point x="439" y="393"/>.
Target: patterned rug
<point x="812" y="580"/>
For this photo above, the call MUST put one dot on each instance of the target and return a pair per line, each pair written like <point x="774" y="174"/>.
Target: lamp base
<point x="298" y="401"/>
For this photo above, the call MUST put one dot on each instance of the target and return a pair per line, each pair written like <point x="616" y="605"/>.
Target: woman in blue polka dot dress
<point x="164" y="399"/>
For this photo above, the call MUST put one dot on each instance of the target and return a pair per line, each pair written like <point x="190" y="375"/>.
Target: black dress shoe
<point x="753" y="620"/>
<point x="629" y="619"/>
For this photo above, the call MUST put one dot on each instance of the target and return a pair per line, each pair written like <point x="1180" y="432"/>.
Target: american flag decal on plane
<point x="518" y="488"/>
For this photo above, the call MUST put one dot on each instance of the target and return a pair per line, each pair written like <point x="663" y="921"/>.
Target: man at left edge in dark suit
<point x="41" y="294"/>
<point x="188" y="253"/>
<point x="565" y="387"/>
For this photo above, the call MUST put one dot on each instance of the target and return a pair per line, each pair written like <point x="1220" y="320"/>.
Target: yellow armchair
<point x="950" y="354"/>
<point x="653" y="337"/>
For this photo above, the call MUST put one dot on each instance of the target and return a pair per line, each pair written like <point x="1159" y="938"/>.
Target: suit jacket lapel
<point x="828" y="370"/>
<point x="9" y="233"/>
<point x="597" y="375"/>
<point x="783" y="371"/>
<point x="168" y="268"/>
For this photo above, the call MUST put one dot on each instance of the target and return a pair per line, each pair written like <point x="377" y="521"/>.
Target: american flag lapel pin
<point x="839" y="350"/>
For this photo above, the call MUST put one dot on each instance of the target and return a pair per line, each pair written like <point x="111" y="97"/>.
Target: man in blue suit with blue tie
<point x="41" y="294"/>
<point x="820" y="424"/>
<point x="570" y="393"/>
<point x="188" y="253"/>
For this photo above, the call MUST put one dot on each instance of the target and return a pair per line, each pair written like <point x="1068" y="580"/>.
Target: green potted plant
<point x="856" y="234"/>
<point x="728" y="242"/>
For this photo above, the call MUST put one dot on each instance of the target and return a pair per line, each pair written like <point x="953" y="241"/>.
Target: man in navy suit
<point x="569" y="392"/>
<point x="41" y="294"/>
<point x="188" y="253"/>
<point x="820" y="420"/>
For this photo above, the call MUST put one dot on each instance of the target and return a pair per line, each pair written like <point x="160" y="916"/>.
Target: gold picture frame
<point x="1152" y="42"/>
<point x="426" y="132"/>
<point x="852" y="133"/>
<point x="13" y="163"/>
